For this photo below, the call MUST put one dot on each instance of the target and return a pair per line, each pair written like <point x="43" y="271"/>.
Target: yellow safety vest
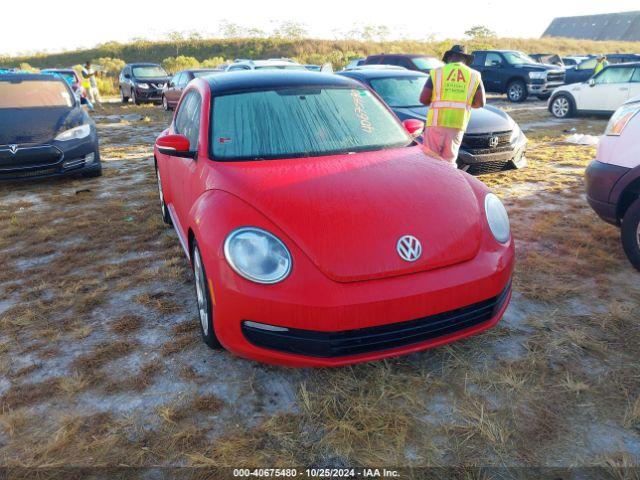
<point x="86" y="81"/>
<point x="599" y="66"/>
<point x="454" y="86"/>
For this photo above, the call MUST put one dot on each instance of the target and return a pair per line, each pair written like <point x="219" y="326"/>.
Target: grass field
<point x="102" y="364"/>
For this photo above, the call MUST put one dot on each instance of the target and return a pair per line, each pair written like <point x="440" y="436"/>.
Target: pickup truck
<point x="516" y="74"/>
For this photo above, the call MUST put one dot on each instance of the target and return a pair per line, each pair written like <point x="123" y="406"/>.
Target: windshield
<point x="280" y="67"/>
<point x="34" y="94"/>
<point x="427" y="63"/>
<point x="518" y="58"/>
<point x="302" y="122"/>
<point x="400" y="92"/>
<point x="149" y="72"/>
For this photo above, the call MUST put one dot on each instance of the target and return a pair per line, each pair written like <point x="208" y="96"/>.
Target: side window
<point x="187" y="120"/>
<point x="636" y="76"/>
<point x="614" y="75"/>
<point x="238" y="67"/>
<point x="478" y="59"/>
<point x="493" y="60"/>
<point x="176" y="79"/>
<point x="588" y="64"/>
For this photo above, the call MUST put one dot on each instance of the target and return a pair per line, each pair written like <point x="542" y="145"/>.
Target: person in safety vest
<point x="450" y="93"/>
<point x="602" y="62"/>
<point x="89" y="82"/>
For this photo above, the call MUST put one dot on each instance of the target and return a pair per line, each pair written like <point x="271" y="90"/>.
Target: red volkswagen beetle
<point x="319" y="232"/>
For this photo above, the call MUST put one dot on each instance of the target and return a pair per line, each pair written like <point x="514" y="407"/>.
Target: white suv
<point x="271" y="64"/>
<point x="613" y="178"/>
<point x="601" y="94"/>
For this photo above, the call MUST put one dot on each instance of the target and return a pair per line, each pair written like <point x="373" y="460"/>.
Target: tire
<point x="562" y="106"/>
<point x="134" y="99"/>
<point x="205" y="309"/>
<point x="631" y="234"/>
<point x="123" y="99"/>
<point x="165" y="104"/>
<point x="517" y="91"/>
<point x="164" y="211"/>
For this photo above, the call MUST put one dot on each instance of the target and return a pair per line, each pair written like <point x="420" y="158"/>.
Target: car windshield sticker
<point x="365" y="123"/>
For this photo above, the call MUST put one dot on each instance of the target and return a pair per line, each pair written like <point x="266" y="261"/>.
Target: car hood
<point x="483" y="120"/>
<point x="37" y="125"/>
<point x="348" y="212"/>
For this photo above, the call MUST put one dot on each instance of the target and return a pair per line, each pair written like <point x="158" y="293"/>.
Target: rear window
<point x="34" y="94"/>
<point x="302" y="122"/>
<point x="399" y="92"/>
<point x="280" y="67"/>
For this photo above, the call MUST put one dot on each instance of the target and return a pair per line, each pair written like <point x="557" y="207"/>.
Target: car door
<point x="608" y="90"/>
<point x="582" y="73"/>
<point x="187" y="123"/>
<point x="171" y="94"/>
<point x="491" y="74"/>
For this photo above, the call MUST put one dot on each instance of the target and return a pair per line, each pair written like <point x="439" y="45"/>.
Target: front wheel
<point x="166" y="218"/>
<point x="631" y="234"/>
<point x="205" y="310"/>
<point x="134" y="98"/>
<point x="123" y="98"/>
<point x="517" y="91"/>
<point x="562" y="106"/>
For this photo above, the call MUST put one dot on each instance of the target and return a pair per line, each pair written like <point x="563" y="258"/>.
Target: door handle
<point x="623" y="89"/>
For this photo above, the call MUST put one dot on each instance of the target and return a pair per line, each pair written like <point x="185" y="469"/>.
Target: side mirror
<point x="414" y="127"/>
<point x="127" y="76"/>
<point x="592" y="82"/>
<point x="175" y="146"/>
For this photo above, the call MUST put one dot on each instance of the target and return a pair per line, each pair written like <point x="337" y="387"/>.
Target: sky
<point x="30" y="25"/>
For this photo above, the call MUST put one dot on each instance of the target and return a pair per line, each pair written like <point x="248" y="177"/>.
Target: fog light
<point x="89" y="158"/>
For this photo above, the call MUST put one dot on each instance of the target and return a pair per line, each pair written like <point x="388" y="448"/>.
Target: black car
<point x="44" y="131"/>
<point x="516" y="74"/>
<point x="492" y="142"/>
<point x="421" y="63"/>
<point x="142" y="82"/>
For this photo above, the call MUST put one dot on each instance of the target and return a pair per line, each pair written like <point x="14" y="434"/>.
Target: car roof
<point x="382" y="73"/>
<point x="625" y="64"/>
<point x="404" y="55"/>
<point x="65" y="70"/>
<point x="263" y="80"/>
<point x="143" y="64"/>
<point x="22" y="77"/>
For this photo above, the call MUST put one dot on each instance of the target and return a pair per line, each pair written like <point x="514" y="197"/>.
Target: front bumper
<point x="50" y="160"/>
<point x="149" y="95"/>
<point x="480" y="161"/>
<point x="600" y="179"/>
<point x="323" y="309"/>
<point x="543" y="88"/>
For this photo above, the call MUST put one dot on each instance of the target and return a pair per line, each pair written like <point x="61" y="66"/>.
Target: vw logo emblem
<point x="13" y="149"/>
<point x="409" y="248"/>
<point x="493" y="142"/>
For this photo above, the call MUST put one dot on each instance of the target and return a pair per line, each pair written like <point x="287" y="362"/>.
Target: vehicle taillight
<point x="621" y="118"/>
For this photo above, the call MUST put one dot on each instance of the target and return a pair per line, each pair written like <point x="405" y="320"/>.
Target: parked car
<point x="574" y="60"/>
<point x="492" y="142"/>
<point x="174" y="87"/>
<point x="586" y="68"/>
<point x="69" y="75"/>
<point x="44" y="131"/>
<point x="422" y="63"/>
<point x="516" y="74"/>
<point x="270" y="64"/>
<point x="613" y="178"/>
<point x="313" y="68"/>
<point x="142" y="82"/>
<point x="356" y="62"/>
<point x="319" y="232"/>
<point x="602" y="94"/>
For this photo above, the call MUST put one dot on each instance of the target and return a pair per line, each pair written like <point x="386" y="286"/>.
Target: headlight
<point x="621" y="118"/>
<point x="74" y="133"/>
<point x="497" y="218"/>
<point x="257" y="255"/>
<point x="143" y="86"/>
<point x="515" y="133"/>
<point x="537" y="75"/>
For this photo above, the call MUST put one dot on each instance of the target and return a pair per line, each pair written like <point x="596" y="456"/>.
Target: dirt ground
<point x="102" y="365"/>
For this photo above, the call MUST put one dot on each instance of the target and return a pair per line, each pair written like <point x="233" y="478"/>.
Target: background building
<point x="610" y="26"/>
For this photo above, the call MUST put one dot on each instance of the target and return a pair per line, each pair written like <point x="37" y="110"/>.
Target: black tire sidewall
<point x="629" y="233"/>
<point x="164" y="211"/>
<point x="210" y="339"/>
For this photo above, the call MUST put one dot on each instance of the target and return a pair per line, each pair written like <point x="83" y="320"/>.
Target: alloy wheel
<point x="201" y="291"/>
<point x="560" y="107"/>
<point x="515" y="92"/>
